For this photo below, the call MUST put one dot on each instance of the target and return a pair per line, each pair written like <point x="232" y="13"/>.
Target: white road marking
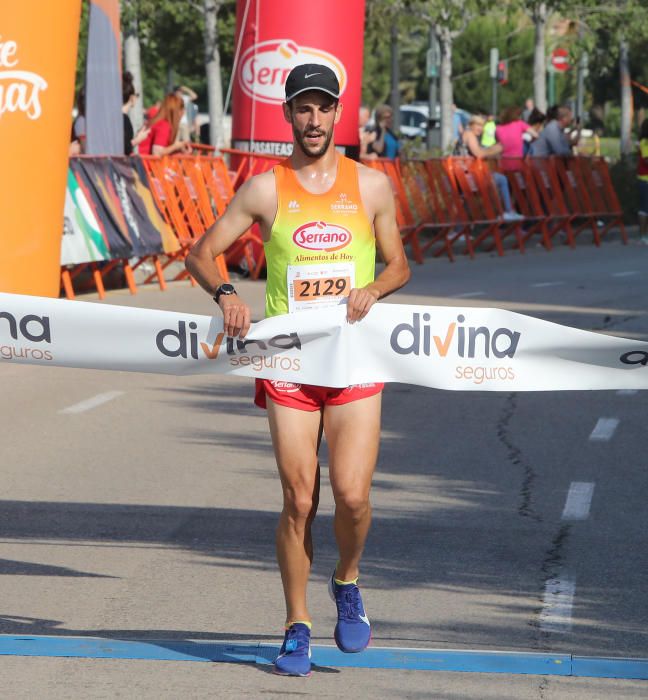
<point x="465" y="295"/>
<point x="556" y="613"/>
<point x="626" y="273"/>
<point x="93" y="402"/>
<point x="579" y="498"/>
<point x="604" y="429"/>
<point x="627" y="392"/>
<point x="547" y="284"/>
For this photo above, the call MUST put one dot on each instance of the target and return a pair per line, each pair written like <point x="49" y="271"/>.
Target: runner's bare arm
<point x="378" y="199"/>
<point x="255" y="202"/>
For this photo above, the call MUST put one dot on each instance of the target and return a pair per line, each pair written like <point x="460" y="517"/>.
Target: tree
<point x="447" y="19"/>
<point x="213" y="71"/>
<point x="539" y="11"/>
<point x="381" y="53"/>
<point x="133" y="57"/>
<point x="621" y="25"/>
<point x="513" y="36"/>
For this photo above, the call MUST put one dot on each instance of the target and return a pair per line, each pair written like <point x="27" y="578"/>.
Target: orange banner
<point x="38" y="45"/>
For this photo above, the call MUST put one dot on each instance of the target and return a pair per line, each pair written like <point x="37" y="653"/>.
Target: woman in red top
<point x="161" y="140"/>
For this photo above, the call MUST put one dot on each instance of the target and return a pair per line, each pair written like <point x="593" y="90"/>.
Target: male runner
<point x="319" y="186"/>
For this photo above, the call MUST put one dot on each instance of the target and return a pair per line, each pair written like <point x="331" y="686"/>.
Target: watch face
<point x="224" y="290"/>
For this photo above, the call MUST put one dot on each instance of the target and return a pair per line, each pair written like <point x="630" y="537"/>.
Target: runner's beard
<point x="309" y="151"/>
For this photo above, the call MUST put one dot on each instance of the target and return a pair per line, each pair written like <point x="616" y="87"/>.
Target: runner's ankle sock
<point x="301" y="622"/>
<point x="346" y="583"/>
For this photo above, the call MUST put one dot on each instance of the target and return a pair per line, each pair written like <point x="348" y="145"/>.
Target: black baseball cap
<point x="312" y="76"/>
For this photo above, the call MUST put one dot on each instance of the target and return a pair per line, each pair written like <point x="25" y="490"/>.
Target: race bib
<point x="319" y="286"/>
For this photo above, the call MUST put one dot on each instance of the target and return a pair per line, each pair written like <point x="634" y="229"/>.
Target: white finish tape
<point x="443" y="347"/>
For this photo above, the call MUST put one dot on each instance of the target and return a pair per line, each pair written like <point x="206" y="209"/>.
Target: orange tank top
<point x="321" y="245"/>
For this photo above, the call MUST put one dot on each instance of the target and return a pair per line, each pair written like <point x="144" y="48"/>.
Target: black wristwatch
<point x="225" y="289"/>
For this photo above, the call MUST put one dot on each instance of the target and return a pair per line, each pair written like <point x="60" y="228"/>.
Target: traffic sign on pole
<point x="433" y="59"/>
<point x="560" y="60"/>
<point x="494" y="60"/>
<point x="502" y="72"/>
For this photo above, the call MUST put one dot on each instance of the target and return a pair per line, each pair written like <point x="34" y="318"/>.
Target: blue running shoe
<point x="353" y="631"/>
<point x="295" y="653"/>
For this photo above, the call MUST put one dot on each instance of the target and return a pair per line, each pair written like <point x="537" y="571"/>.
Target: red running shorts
<point x="307" y="397"/>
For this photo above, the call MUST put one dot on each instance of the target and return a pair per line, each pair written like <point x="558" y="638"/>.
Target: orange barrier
<point x="577" y="199"/>
<point x="415" y="213"/>
<point x="590" y="196"/>
<point x="457" y="199"/>
<point x="482" y="202"/>
<point x="243" y="166"/>
<point x="552" y="201"/>
<point x="429" y="212"/>
<point x="408" y="227"/>
<point x="439" y="203"/>
<point x="450" y="205"/>
<point x="203" y="148"/>
<point x="604" y="203"/>
<point x="527" y="200"/>
<point x="98" y="273"/>
<point x="178" y="181"/>
<point x="189" y="192"/>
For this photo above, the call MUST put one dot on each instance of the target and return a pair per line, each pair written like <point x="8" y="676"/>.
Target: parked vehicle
<point x="414" y="119"/>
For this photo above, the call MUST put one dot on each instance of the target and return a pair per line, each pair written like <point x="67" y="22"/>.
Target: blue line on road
<point x="374" y="657"/>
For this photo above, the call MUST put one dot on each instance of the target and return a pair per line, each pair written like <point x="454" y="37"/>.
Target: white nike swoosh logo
<point x="365" y="619"/>
<point x="311" y="75"/>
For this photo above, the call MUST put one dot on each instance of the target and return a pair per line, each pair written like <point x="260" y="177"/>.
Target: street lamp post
<point x="432" y="65"/>
<point x="494" y="62"/>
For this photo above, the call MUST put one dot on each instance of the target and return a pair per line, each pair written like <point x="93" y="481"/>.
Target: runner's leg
<point x="295" y="438"/>
<point x="353" y="434"/>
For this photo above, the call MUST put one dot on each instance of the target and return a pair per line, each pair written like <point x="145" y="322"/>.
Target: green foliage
<point x="172" y="44"/>
<point x="82" y="50"/>
<point x="376" y="57"/>
<point x="513" y="37"/>
<point x="171" y="35"/>
<point x="448" y="16"/>
<point x="599" y="28"/>
<point x="381" y="16"/>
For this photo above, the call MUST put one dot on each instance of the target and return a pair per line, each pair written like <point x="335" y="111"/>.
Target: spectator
<point x="150" y="113"/>
<point x="488" y="137"/>
<point x="471" y="140"/>
<point x="365" y="134"/>
<point x="385" y="144"/>
<point x="552" y="113"/>
<point x="642" y="181"/>
<point x="161" y="140"/>
<point x="129" y="98"/>
<point x="536" y="121"/>
<point x="509" y="134"/>
<point x="187" y="127"/>
<point x="78" y="136"/>
<point x="529" y="107"/>
<point x="459" y="123"/>
<point x="553" y="141"/>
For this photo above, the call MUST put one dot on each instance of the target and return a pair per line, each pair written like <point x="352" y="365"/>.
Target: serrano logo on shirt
<point x="318" y="235"/>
